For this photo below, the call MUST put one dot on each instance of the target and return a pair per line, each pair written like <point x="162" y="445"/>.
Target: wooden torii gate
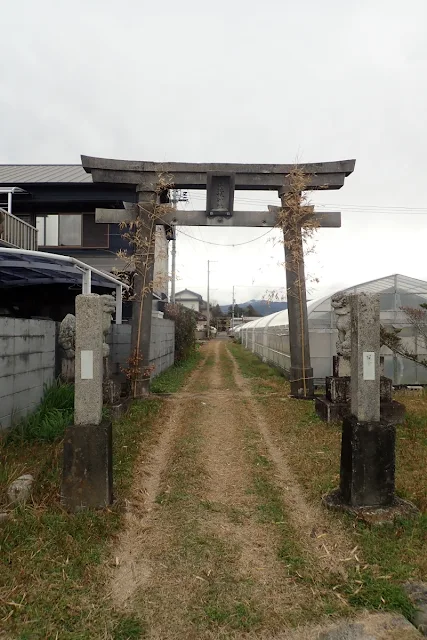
<point x="220" y="182"/>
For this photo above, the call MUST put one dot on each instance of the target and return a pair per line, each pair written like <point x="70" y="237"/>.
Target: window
<point x="71" y="230"/>
<point x="59" y="231"/>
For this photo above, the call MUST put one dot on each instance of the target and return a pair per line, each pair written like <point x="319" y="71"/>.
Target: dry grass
<point x="392" y="554"/>
<point x="411" y="453"/>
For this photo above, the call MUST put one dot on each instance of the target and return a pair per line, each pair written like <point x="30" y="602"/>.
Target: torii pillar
<point x="143" y="291"/>
<point x="220" y="181"/>
<point x="301" y="372"/>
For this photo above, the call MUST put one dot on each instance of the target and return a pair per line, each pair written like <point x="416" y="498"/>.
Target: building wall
<point x="189" y="304"/>
<point x="27" y="363"/>
<point x="162" y="347"/>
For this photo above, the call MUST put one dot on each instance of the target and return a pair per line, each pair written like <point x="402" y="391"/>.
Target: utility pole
<point x="208" y="313"/>
<point x="232" y="312"/>
<point x="173" y="279"/>
<point x="175" y="196"/>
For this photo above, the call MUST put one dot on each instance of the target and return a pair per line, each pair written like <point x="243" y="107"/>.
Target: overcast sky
<point x="236" y="81"/>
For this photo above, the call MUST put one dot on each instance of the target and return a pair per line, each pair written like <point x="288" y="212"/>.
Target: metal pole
<point x="173" y="266"/>
<point x="119" y="292"/>
<point x="9" y="202"/>
<point x="208" y="314"/>
<point x="87" y="281"/>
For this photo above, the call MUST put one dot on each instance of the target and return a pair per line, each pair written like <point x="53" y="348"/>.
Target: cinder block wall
<point x="162" y="347"/>
<point x="27" y="363"/>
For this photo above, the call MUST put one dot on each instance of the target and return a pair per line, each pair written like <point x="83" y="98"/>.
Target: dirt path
<point x="331" y="547"/>
<point x="131" y="570"/>
<point x="220" y="541"/>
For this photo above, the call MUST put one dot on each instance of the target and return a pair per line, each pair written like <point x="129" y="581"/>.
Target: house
<point x="52" y="208"/>
<point x="191" y="300"/>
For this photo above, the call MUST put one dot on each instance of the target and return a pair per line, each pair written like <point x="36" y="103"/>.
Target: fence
<point x="18" y="233"/>
<point x="27" y="363"/>
<point x="162" y="346"/>
<point x="28" y="359"/>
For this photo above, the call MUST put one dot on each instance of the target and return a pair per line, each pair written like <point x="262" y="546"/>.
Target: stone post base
<point x="87" y="479"/>
<point x="372" y="515"/>
<point x="367" y="474"/>
<point x="296" y="376"/>
<point x="367" y="463"/>
<point x="328" y="411"/>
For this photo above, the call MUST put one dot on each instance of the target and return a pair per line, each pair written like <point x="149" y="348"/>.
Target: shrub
<point x="185" y="329"/>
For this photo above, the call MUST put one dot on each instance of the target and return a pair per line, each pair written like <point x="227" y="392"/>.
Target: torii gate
<point x="220" y="181"/>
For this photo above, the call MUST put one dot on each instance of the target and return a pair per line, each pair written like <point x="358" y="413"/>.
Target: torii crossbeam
<point x="220" y="181"/>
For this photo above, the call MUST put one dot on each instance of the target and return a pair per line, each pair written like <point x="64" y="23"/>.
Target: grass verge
<point x="391" y="554"/>
<point x="173" y="378"/>
<point x="53" y="563"/>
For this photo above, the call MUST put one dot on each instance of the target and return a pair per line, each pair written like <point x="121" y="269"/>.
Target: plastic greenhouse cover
<point x="392" y="284"/>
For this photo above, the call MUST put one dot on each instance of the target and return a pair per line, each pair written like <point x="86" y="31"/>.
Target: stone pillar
<point x="368" y="444"/>
<point x="301" y="372"/>
<point x="89" y="355"/>
<point x="365" y="357"/>
<point x="336" y="404"/>
<point x="87" y="470"/>
<point x="143" y="293"/>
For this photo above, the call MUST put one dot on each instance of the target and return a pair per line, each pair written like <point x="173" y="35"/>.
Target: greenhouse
<point x="268" y="336"/>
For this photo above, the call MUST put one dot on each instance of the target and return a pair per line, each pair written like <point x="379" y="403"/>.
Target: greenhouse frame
<point x="268" y="337"/>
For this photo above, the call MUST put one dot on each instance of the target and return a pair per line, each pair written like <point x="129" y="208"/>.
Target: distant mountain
<point x="263" y="307"/>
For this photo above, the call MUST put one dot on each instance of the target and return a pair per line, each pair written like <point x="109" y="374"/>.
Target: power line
<point x="356" y="207"/>
<point x="236" y="244"/>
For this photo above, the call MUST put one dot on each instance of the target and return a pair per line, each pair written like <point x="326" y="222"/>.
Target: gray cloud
<point x="235" y="81"/>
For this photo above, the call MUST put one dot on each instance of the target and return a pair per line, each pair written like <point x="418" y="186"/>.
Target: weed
<point x="129" y="628"/>
<point x="51" y="418"/>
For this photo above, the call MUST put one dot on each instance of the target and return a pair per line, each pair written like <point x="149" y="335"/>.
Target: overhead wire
<point x="356" y="207"/>
<point x="234" y="244"/>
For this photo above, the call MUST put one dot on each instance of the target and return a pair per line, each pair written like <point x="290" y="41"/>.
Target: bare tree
<point x="390" y="338"/>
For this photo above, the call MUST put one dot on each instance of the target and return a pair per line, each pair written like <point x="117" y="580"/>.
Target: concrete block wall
<point x="162" y="347"/>
<point x="27" y="363"/>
